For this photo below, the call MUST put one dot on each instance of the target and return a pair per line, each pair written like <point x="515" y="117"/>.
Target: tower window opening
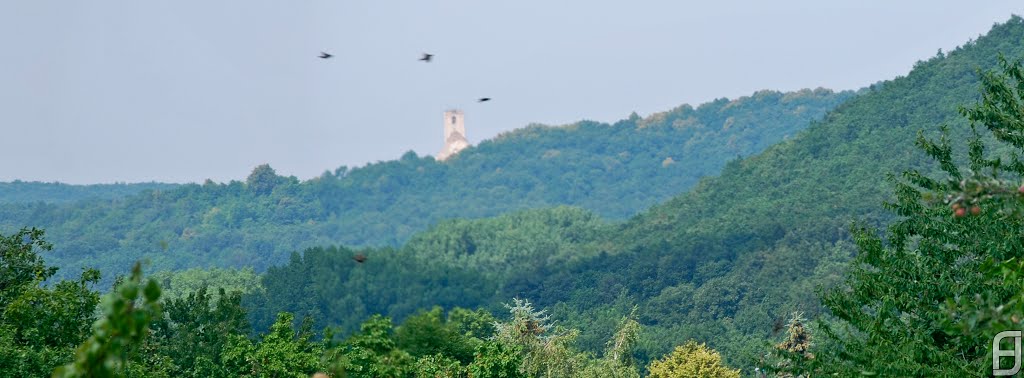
<point x="453" y="120"/>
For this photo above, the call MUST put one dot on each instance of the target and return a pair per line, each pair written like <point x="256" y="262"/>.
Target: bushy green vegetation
<point x="692" y="360"/>
<point x="928" y="298"/>
<point x="614" y="170"/>
<point x="138" y="333"/>
<point x="457" y="263"/>
<point x="178" y="284"/>
<point x="39" y="327"/>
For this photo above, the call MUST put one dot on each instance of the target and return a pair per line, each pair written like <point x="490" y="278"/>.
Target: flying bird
<point x="484" y="99"/>
<point x="426" y="57"/>
<point x="360" y="258"/>
<point x="324" y="55"/>
<point x="778" y="325"/>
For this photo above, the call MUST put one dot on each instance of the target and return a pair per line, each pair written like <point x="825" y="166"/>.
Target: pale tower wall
<point x="454" y="121"/>
<point x="454" y="134"/>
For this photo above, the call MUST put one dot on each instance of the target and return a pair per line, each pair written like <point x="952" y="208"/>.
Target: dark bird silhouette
<point x="426" y="57"/>
<point x="777" y="325"/>
<point x="484" y="99"/>
<point x="360" y="258"/>
<point x="324" y="55"/>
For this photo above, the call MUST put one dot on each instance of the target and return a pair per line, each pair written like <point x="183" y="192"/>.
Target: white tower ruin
<point x="454" y="134"/>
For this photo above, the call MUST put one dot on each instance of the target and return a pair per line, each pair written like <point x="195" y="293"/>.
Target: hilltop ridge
<point x="614" y="170"/>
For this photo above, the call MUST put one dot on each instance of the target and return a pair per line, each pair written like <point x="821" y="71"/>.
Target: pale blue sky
<point x="182" y="91"/>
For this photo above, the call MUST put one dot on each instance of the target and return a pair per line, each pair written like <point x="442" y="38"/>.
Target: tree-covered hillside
<point x="54" y="192"/>
<point x="722" y="263"/>
<point x="69" y="330"/>
<point x="739" y="263"/>
<point x="614" y="170"/>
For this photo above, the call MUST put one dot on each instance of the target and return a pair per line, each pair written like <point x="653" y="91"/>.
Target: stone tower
<point x="454" y="134"/>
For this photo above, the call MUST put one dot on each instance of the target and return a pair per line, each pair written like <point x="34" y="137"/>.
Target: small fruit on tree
<point x="959" y="212"/>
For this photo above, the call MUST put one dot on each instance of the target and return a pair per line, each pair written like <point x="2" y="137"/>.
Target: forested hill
<point x="723" y="261"/>
<point x="614" y="170"/>
<point x="55" y="192"/>
<point x="720" y="263"/>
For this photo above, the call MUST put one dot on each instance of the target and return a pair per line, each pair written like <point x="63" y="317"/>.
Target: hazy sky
<point x="182" y="91"/>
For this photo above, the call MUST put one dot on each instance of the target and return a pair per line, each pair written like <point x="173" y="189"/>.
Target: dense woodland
<point x="884" y="240"/>
<point x="613" y="170"/>
<point x="722" y="263"/>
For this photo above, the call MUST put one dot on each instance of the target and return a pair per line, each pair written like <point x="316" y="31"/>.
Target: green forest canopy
<point x="720" y="264"/>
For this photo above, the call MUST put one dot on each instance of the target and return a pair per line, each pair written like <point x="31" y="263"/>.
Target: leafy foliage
<point x="179" y="284"/>
<point x="546" y="349"/>
<point x="127" y="312"/>
<point x="894" y="307"/>
<point x="373" y="353"/>
<point x="495" y="359"/>
<point x="195" y="330"/>
<point x="39" y="327"/>
<point x="455" y="264"/>
<point x="283" y="352"/>
<point x="428" y="334"/>
<point x="791" y="357"/>
<point x="20" y="265"/>
<point x="691" y="360"/>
